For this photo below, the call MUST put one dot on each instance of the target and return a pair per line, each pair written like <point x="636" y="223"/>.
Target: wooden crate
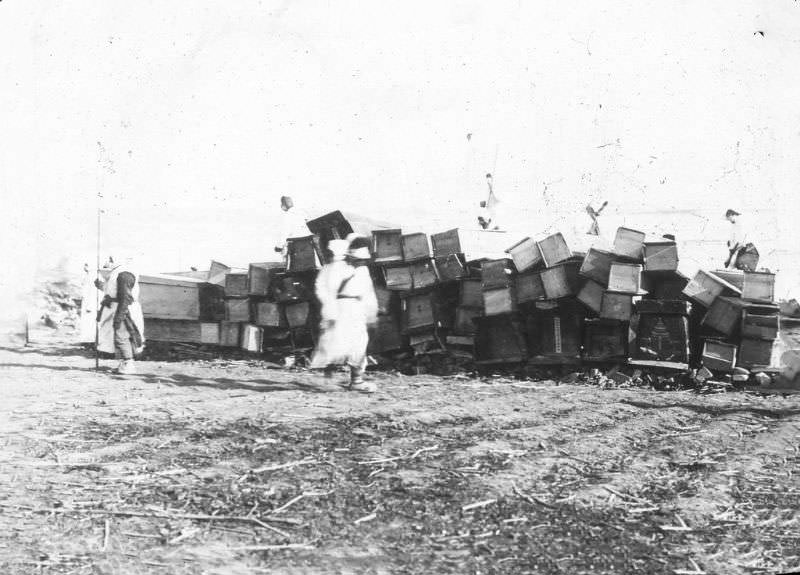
<point x="499" y="301"/>
<point x="664" y="285"/>
<point x="387" y="245"/>
<point x="499" y="339"/>
<point x="230" y="333"/>
<point x="754" y="353"/>
<point x="236" y="285"/>
<point x="212" y="302"/>
<point x="554" y="249"/>
<point x="415" y="247"/>
<point x="260" y="276"/>
<point x="387" y="336"/>
<point x="464" y="324"/>
<point x="297" y="314"/>
<point x="474" y="244"/>
<point x="718" y="355"/>
<point x="604" y="340"/>
<point x="617" y="306"/>
<point x="596" y="265"/>
<point x="237" y="309"/>
<point x="304" y="254"/>
<point x="173" y="330"/>
<point x="530" y="287"/>
<point x="423" y="274"/>
<point x="217" y="273"/>
<point x="252" y="338"/>
<point x="398" y="278"/>
<point x="446" y="243"/>
<point x="629" y="243"/>
<point x="625" y="278"/>
<point x="209" y="333"/>
<point x="733" y="277"/>
<point x="451" y="268"/>
<point x="591" y="295"/>
<point x="759" y="325"/>
<point x="470" y="294"/>
<point x="423" y="311"/>
<point x="293" y="287"/>
<point x="660" y="256"/>
<point x="525" y="254"/>
<point x="661" y="338"/>
<point x="387" y="300"/>
<point x="706" y="286"/>
<point x="268" y="314"/>
<point x="663" y="307"/>
<point x="759" y="287"/>
<point x="169" y="297"/>
<point x="561" y="280"/>
<point x="554" y="335"/>
<point x="496" y="274"/>
<point x="725" y="315"/>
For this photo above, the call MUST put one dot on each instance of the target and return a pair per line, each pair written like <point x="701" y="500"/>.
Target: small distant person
<point x="349" y="306"/>
<point x="87" y="324"/>
<point x="594" y="229"/>
<point x="484" y="217"/>
<point x="121" y="323"/>
<point x="487" y="217"/>
<point x="742" y="254"/>
<point x="293" y="224"/>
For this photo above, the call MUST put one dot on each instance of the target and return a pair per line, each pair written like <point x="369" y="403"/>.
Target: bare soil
<point x="238" y="467"/>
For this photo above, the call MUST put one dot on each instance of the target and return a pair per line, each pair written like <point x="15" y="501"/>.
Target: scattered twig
<point x="106" y="533"/>
<point x="399" y="457"/>
<point x="296" y="546"/>
<point x="364" y="519"/>
<point x="477" y="504"/>
<point x="529" y="498"/>
<point x="288" y="504"/>
<point x="289" y="465"/>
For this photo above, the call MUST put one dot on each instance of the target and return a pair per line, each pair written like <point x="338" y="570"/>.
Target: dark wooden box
<point x="525" y="254"/>
<point x="297" y="314"/>
<point x="387" y="245"/>
<point x="496" y="274"/>
<point x="293" y="287"/>
<point x="530" y="287"/>
<point x="398" y="278"/>
<point x="386" y="336"/>
<point x="663" y="307"/>
<point x="758" y="326"/>
<point x="499" y="301"/>
<point x="660" y="256"/>
<point x="754" y="353"/>
<point x="237" y="309"/>
<point x="725" y="315"/>
<point x="625" y="277"/>
<point x="591" y="295"/>
<point x="415" y="247"/>
<point x="554" y="249"/>
<point x="617" y="306"/>
<point x="561" y="280"/>
<point x="664" y="285"/>
<point x="629" y="243"/>
<point x="212" y="302"/>
<point x="597" y="265"/>
<point x="236" y="285"/>
<point x="555" y="334"/>
<point x="423" y="274"/>
<point x="451" y="267"/>
<point x="758" y="287"/>
<point x="718" y="355"/>
<point x="471" y="294"/>
<point x="304" y="254"/>
<point x="423" y="311"/>
<point x="605" y="340"/>
<point x="268" y="314"/>
<point x="661" y="338"/>
<point x="464" y="324"/>
<point x="261" y="276"/>
<point x="445" y="243"/>
<point x="500" y="339"/>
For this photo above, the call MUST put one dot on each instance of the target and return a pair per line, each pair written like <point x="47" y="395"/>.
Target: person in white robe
<point x="349" y="305"/>
<point x="120" y="319"/>
<point x="292" y="225"/>
<point x="742" y="254"/>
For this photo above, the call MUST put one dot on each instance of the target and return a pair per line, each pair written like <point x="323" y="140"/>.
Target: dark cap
<point x="731" y="212"/>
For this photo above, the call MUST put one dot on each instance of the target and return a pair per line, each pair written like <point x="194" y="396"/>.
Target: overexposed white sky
<point x="192" y="118"/>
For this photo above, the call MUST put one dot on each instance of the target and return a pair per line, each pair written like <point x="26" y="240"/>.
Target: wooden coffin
<point x="464" y="324"/>
<point x="297" y="314"/>
<point x="268" y="314"/>
<point x="260" y="277"/>
<point x="423" y="274"/>
<point x="230" y="333"/>
<point x="415" y="247"/>
<point x="554" y="249"/>
<point x="706" y="286"/>
<point x="387" y="245"/>
<point x="604" y="340"/>
<point x="387" y="336"/>
<point x="591" y="295"/>
<point x="661" y="338"/>
<point x="252" y="338"/>
<point x="530" y="287"/>
<point x="169" y="297"/>
<point x="561" y="280"/>
<point x="617" y="306"/>
<point x="597" y="265"/>
<point x="718" y="355"/>
<point x="760" y="326"/>
<point x="725" y="315"/>
<point x="496" y="274"/>
<point x="625" y="278"/>
<point x="660" y="256"/>
<point x="398" y="278"/>
<point x="451" y="268"/>
<point x="173" y="330"/>
<point x="236" y="285"/>
<point x="470" y="294"/>
<point x="758" y="287"/>
<point x="499" y="301"/>
<point x="499" y="339"/>
<point x="304" y="254"/>
<point x="212" y="302"/>
<point x="629" y="243"/>
<point x="237" y="309"/>
<point x="525" y="254"/>
<point x="754" y="353"/>
<point x="555" y="335"/>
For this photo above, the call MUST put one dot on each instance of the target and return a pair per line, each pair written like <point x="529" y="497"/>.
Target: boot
<point x="127" y="367"/>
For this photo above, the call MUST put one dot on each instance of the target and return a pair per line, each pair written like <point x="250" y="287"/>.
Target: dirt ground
<point x="237" y="467"/>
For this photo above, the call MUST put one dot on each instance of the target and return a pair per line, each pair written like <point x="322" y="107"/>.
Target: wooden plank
<point x="173" y="330"/>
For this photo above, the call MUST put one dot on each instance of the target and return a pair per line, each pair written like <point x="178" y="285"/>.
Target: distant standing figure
<point x="87" y="323"/>
<point x="742" y="254"/>
<point x="484" y="217"/>
<point x="349" y="306"/>
<point x="594" y="230"/>
<point x="293" y="224"/>
<point x="121" y="329"/>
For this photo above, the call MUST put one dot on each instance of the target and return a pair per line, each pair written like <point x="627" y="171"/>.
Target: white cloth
<point x="106" y="330"/>
<point x="293" y="224"/>
<point x="739" y="234"/>
<point x="87" y="322"/>
<point x="349" y="305"/>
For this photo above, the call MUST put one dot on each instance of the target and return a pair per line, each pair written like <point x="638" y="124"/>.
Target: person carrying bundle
<point x="742" y="254"/>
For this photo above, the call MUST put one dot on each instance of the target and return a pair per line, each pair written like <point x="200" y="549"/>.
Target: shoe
<point x="127" y="367"/>
<point x="363" y="386"/>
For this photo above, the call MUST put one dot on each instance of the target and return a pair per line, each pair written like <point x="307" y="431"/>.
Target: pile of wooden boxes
<point x="738" y="320"/>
